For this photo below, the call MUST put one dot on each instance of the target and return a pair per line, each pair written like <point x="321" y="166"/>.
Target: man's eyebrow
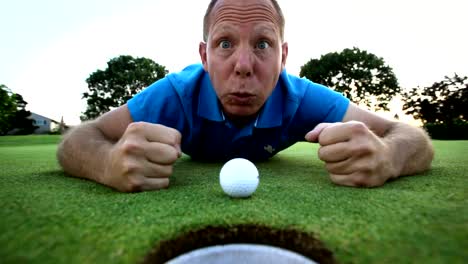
<point x="223" y="29"/>
<point x="259" y="29"/>
<point x="265" y="30"/>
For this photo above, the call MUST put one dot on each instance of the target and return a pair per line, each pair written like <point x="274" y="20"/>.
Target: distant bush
<point x="457" y="130"/>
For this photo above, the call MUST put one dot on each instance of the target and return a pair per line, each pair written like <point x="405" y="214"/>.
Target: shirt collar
<point x="208" y="105"/>
<point x="271" y="114"/>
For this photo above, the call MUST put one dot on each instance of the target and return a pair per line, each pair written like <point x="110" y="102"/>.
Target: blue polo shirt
<point x="186" y="101"/>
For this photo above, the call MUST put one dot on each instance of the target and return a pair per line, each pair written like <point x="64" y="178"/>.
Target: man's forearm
<point x="83" y="151"/>
<point x="412" y="149"/>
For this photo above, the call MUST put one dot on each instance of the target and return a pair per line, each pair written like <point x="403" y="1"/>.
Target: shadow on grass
<point x="300" y="242"/>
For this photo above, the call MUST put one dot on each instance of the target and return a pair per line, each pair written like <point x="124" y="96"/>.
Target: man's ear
<point x="203" y="55"/>
<point x="284" y="55"/>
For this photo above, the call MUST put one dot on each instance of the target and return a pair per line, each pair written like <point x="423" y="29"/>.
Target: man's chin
<point x="241" y="112"/>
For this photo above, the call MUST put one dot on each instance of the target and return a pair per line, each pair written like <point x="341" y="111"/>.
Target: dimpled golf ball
<point x="239" y="178"/>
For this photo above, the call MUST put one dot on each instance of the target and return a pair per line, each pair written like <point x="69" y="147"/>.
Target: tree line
<point x="366" y="80"/>
<point x="13" y="113"/>
<point x="361" y="76"/>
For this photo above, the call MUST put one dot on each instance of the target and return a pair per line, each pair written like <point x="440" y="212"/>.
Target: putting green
<point x="47" y="217"/>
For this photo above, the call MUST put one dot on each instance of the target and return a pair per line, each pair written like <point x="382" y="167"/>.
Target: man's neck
<point x="240" y="121"/>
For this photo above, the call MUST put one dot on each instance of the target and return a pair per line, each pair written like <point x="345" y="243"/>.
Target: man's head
<point x="206" y="21"/>
<point x="243" y="53"/>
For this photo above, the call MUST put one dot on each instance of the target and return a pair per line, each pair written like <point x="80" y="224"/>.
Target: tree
<point x="7" y="109"/>
<point x="442" y="102"/>
<point x="14" y="117"/>
<point x="441" y="107"/>
<point x="360" y="76"/>
<point x="21" y="122"/>
<point x="124" y="77"/>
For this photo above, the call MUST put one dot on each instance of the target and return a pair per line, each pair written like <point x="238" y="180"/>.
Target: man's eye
<point x="262" y="45"/>
<point x="225" y="44"/>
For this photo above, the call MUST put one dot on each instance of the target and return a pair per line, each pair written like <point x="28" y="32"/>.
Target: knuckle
<point x="361" y="148"/>
<point x="358" y="127"/>
<point x="171" y="136"/>
<point x="166" y="171"/>
<point x="129" y="147"/>
<point x="331" y="167"/>
<point x="361" y="180"/>
<point x="321" y="153"/>
<point x="323" y="138"/>
<point x="135" y="127"/>
<point x="134" y="184"/>
<point x="129" y="167"/>
<point x="337" y="180"/>
<point x="176" y="137"/>
<point x="164" y="184"/>
<point x="130" y="184"/>
<point x="176" y="133"/>
<point x="168" y="154"/>
<point x="173" y="156"/>
<point x="159" y="127"/>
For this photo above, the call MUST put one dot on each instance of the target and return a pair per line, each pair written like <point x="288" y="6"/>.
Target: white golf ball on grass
<point x="239" y="178"/>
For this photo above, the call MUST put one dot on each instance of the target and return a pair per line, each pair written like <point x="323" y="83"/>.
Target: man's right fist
<point x="143" y="158"/>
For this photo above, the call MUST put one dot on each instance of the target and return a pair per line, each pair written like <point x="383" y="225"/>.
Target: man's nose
<point x="244" y="62"/>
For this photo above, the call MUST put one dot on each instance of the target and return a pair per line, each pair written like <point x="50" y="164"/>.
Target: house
<point x="45" y="125"/>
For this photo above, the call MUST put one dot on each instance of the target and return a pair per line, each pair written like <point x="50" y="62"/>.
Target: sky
<point x="48" y="48"/>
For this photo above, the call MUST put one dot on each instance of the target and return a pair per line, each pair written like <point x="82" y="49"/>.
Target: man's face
<point x="244" y="54"/>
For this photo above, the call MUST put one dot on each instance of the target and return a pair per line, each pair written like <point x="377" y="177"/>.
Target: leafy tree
<point x="442" y="102"/>
<point x="13" y="114"/>
<point x="124" y="77"/>
<point x="360" y="76"/>
<point x="21" y="122"/>
<point x="7" y="109"/>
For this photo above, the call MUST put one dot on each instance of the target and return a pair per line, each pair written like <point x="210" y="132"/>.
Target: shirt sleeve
<point x="322" y="104"/>
<point x="318" y="104"/>
<point x="158" y="104"/>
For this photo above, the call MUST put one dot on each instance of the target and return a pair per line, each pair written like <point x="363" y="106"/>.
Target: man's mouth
<point x="241" y="98"/>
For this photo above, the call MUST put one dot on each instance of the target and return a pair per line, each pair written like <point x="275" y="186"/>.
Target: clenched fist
<point x="143" y="158"/>
<point x="353" y="154"/>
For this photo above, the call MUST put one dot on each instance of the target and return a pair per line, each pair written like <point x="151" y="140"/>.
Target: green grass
<point x="47" y="217"/>
<point x="28" y="140"/>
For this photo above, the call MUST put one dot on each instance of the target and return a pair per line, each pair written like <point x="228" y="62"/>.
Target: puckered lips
<point x="241" y="98"/>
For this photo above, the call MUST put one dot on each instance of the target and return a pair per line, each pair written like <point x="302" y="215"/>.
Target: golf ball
<point x="239" y="178"/>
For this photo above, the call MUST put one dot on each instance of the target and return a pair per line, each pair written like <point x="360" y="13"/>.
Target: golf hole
<point x="241" y="244"/>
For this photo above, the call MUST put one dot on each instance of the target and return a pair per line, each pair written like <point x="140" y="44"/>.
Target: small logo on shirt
<point x="269" y="149"/>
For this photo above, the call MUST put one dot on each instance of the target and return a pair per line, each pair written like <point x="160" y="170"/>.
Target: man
<point x="239" y="103"/>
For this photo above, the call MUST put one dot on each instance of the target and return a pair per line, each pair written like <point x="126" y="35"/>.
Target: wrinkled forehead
<point x="244" y="11"/>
